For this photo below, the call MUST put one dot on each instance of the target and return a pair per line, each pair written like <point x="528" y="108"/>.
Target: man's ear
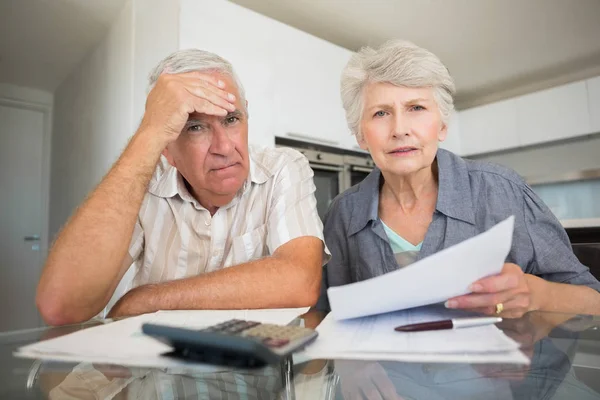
<point x="169" y="156"/>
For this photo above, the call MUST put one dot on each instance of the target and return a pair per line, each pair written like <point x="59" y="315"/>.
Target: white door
<point x="21" y="202"/>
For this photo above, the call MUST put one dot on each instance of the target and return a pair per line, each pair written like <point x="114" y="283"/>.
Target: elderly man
<point x="209" y="225"/>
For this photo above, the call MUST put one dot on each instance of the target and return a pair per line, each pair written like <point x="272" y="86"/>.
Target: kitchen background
<point x="73" y="79"/>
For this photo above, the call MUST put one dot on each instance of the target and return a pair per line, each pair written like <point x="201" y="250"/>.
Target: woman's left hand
<point x="508" y="292"/>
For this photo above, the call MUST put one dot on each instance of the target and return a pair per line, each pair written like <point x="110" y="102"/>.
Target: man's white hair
<point x="400" y="63"/>
<point x="190" y="60"/>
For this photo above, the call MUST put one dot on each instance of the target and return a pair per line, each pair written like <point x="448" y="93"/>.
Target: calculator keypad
<point x="273" y="336"/>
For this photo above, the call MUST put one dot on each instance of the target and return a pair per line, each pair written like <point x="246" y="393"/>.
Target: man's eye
<point x="195" y="128"/>
<point x="231" y="120"/>
<point x="417" y="108"/>
<point x="380" y="114"/>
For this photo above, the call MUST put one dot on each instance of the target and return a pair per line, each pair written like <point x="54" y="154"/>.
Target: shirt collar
<point x="454" y="193"/>
<point x="366" y="202"/>
<point x="258" y="172"/>
<point x="167" y="182"/>
<point x="454" y="187"/>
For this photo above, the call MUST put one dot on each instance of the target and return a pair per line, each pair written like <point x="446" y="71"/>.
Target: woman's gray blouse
<point x="473" y="196"/>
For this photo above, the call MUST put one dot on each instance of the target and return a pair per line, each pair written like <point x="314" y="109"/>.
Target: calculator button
<point x="258" y="331"/>
<point x="300" y="332"/>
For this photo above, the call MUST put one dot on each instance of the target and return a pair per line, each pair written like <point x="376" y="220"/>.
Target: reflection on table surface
<point x="564" y="352"/>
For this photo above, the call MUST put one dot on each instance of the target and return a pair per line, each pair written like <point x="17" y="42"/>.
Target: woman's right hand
<point x="510" y="289"/>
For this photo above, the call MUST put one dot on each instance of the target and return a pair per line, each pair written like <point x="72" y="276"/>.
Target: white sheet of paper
<point x="433" y="279"/>
<point x="507" y="357"/>
<point x="374" y="337"/>
<point x="123" y="342"/>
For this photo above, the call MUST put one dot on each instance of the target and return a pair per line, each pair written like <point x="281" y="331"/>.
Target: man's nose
<point x="221" y="142"/>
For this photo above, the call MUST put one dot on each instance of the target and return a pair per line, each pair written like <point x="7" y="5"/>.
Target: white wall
<point x="92" y="119"/>
<point x="99" y="106"/>
<point x="156" y="35"/>
<point x="291" y="78"/>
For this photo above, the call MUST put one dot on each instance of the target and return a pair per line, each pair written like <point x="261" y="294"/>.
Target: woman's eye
<point x="380" y="114"/>
<point x="417" y="108"/>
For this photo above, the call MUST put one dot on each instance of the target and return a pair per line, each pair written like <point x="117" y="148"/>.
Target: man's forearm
<point x="271" y="282"/>
<point x="565" y="298"/>
<point x="85" y="262"/>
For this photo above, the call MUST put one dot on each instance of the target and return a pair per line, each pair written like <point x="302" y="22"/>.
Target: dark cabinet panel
<point x="586" y="246"/>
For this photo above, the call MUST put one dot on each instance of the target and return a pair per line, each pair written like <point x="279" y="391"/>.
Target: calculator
<point x="236" y="343"/>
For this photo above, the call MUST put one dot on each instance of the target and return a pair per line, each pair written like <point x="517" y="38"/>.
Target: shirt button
<point x="207" y="222"/>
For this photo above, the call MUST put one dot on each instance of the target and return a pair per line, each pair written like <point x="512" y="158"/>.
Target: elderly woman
<point x="421" y="199"/>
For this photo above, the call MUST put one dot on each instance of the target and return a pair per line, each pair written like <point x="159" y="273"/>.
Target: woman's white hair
<point x="190" y="60"/>
<point x="400" y="63"/>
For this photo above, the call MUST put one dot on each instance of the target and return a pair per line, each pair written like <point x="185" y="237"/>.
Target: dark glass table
<point x="564" y="352"/>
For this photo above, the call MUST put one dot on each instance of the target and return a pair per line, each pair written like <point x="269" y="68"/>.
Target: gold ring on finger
<point x="499" y="308"/>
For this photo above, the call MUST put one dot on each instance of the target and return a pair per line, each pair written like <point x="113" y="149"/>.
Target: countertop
<point x="581" y="223"/>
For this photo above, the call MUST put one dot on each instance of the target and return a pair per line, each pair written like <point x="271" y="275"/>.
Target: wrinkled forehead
<point x="214" y="118"/>
<point x="198" y="117"/>
<point x="388" y="92"/>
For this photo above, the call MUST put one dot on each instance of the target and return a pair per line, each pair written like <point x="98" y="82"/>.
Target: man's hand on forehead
<point x="212" y="78"/>
<point x="177" y="97"/>
<point x="207" y="84"/>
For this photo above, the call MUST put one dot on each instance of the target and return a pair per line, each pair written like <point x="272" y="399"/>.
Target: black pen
<point x="448" y="324"/>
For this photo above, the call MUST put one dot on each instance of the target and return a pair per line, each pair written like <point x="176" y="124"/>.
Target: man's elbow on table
<point x="309" y="296"/>
<point x="57" y="309"/>
<point x="303" y="260"/>
<point x="309" y="284"/>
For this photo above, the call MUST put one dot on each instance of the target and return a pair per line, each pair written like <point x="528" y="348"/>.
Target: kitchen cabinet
<point x="489" y="128"/>
<point x="593" y="89"/>
<point x="554" y="114"/>
<point x="306" y="78"/>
